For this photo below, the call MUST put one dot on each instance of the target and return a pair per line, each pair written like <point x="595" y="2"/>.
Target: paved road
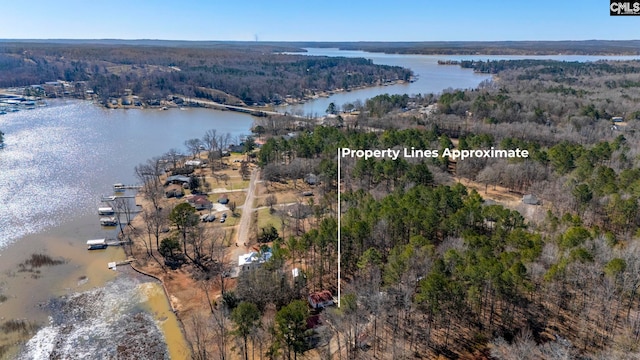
<point x="231" y="107"/>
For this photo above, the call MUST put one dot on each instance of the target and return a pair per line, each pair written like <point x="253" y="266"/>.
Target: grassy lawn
<point x="265" y="219"/>
<point x="237" y="184"/>
<point x="233" y="220"/>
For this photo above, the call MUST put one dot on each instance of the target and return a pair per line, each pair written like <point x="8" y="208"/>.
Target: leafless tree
<point x="221" y="265"/>
<point x="199" y="337"/>
<point x="123" y="207"/>
<point x="523" y="347"/>
<point x="174" y="156"/>
<point x="193" y="146"/>
<point x="156" y="220"/>
<point x="270" y="201"/>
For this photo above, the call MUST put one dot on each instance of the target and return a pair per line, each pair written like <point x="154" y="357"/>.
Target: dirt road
<point x="247" y="211"/>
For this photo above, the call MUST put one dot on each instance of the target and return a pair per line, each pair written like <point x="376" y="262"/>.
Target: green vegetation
<point x="383" y="104"/>
<point x="247" y="319"/>
<point x="446" y="272"/>
<point x="291" y="325"/>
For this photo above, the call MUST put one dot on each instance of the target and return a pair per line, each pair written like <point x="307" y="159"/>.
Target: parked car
<point x="208" y="218"/>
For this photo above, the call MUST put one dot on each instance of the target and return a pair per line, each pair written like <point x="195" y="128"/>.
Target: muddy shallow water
<point x="102" y="323"/>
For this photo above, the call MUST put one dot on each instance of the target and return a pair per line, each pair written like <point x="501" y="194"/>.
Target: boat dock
<point x="123" y="187"/>
<point x="114" y="264"/>
<point x="98" y="244"/>
<point x="114" y="197"/>
<point x="108" y="221"/>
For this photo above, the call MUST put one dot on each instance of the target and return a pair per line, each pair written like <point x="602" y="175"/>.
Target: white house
<point x="253" y="259"/>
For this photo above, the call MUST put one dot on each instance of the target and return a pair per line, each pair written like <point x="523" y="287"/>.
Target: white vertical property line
<point x="339" y="216"/>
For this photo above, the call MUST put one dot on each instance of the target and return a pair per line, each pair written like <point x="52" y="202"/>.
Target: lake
<point x="58" y="161"/>
<point x="431" y="77"/>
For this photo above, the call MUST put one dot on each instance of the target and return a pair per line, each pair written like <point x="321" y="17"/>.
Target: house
<point x="236" y="148"/>
<point x="254" y="259"/>
<point x="174" y="192"/>
<point x="531" y="199"/>
<point x="193" y="163"/>
<point x="320" y="299"/>
<point x="299" y="210"/>
<point x="177" y="179"/>
<point x="200" y="202"/>
<point x="311" y="179"/>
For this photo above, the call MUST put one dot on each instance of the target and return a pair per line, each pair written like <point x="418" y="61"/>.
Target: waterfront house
<point x="193" y="163"/>
<point x="177" y="179"/>
<point x="174" y="192"/>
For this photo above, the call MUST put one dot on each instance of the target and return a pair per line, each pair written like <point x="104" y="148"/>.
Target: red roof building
<point x="321" y="299"/>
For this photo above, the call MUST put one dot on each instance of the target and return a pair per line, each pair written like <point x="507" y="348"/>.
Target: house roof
<point x="199" y="200"/>
<point x="193" y="162"/>
<point x="320" y="296"/>
<point x="179" y="178"/>
<point x="254" y="258"/>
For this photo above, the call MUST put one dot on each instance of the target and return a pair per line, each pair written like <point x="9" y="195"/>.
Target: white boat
<point x="96" y="244"/>
<point x="108" y="221"/>
<point x="119" y="187"/>
<point x="107" y="210"/>
<point x="108" y="198"/>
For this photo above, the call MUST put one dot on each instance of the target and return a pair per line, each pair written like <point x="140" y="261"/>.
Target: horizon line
<point x="307" y="41"/>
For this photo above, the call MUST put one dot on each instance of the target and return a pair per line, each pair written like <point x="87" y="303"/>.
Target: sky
<point x="310" y="20"/>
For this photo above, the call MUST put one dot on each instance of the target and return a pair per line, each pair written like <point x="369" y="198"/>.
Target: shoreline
<point x="194" y="102"/>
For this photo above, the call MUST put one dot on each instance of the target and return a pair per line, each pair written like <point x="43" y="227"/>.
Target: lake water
<point x="431" y="77"/>
<point x="59" y="159"/>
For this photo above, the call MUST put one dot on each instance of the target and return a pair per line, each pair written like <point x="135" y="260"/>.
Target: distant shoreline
<point x="536" y="47"/>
